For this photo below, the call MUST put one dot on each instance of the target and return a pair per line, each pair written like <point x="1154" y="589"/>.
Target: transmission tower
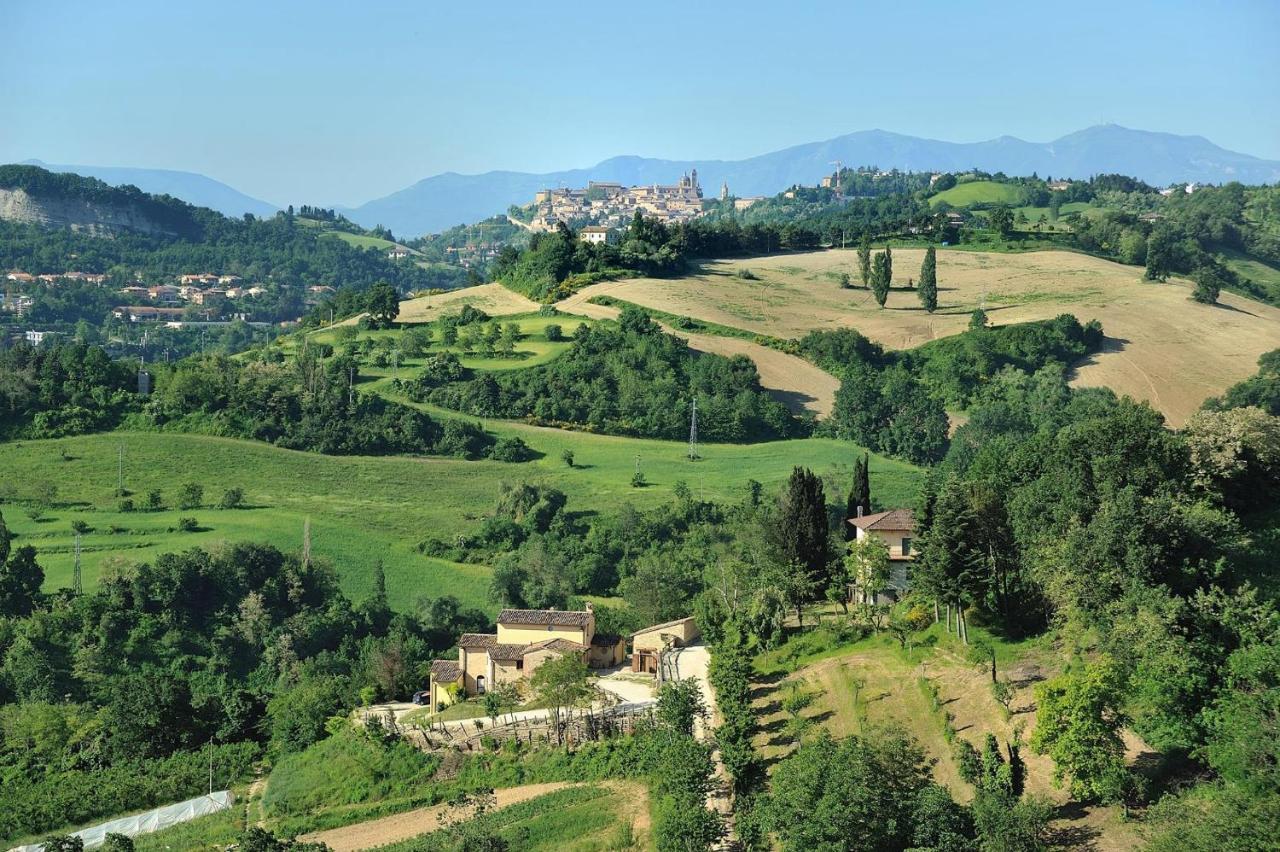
<point x="77" y="585"/>
<point x="693" y="430"/>
<point x="120" y="471"/>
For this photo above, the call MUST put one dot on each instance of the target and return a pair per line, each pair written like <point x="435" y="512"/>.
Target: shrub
<point x="190" y="495"/>
<point x="747" y="275"/>
<point x="638" y="480"/>
<point x="567" y="457"/>
<point x="232" y="498"/>
<point x="511" y="449"/>
<point x="125" y="505"/>
<point x="554" y="333"/>
<point x="188" y="525"/>
<point x="155" y="500"/>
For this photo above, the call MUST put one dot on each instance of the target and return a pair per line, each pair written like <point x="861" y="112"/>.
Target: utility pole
<point x="77" y="584"/>
<point x="693" y="431"/>
<point x="306" y="544"/>
<point x="120" y="471"/>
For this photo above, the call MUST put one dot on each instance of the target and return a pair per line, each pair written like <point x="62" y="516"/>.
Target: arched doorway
<point x="480" y="684"/>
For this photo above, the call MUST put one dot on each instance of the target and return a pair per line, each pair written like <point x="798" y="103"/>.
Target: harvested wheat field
<point x="1161" y="347"/>
<point x="494" y="299"/>
<point x="802" y="386"/>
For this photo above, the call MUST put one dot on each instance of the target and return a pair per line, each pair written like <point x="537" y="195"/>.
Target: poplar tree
<point x="888" y="265"/>
<point x="880" y="278"/>
<point x="864" y="260"/>
<point x="929" y="280"/>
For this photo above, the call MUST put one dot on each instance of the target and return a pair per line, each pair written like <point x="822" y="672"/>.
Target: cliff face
<point x="97" y="219"/>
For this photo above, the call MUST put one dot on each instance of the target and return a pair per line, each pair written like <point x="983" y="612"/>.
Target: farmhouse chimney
<point x="859" y="510"/>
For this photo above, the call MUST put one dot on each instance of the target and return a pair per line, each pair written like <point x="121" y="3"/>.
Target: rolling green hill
<point x="978" y="192"/>
<point x="363" y="510"/>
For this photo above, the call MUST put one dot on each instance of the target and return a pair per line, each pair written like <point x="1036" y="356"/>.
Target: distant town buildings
<point x="595" y="234"/>
<point x="612" y="205"/>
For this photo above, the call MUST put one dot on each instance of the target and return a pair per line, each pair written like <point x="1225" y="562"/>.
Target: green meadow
<point x="363" y="510"/>
<point x="360" y="240"/>
<point x="978" y="192"/>
<point x="531" y="350"/>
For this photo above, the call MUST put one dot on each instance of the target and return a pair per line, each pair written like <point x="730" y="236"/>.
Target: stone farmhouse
<point x="526" y="639"/>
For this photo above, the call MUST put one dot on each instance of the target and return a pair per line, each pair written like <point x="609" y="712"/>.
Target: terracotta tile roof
<point x="477" y="640"/>
<point x="562" y="646"/>
<point x="558" y="617"/>
<point x="506" y="653"/>
<point x="662" y="625"/>
<point x="445" y="671"/>
<point x="606" y="640"/>
<point x="894" y="519"/>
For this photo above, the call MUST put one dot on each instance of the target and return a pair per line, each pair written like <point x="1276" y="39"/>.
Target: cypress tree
<point x="929" y="280"/>
<point x="888" y="265"/>
<point x="864" y="260"/>
<point x="880" y="279"/>
<point x="802" y="525"/>
<point x="859" y="494"/>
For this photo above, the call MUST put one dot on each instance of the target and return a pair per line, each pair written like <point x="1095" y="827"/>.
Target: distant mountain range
<point x="449" y="199"/>
<point x="1159" y="158"/>
<point x="191" y="187"/>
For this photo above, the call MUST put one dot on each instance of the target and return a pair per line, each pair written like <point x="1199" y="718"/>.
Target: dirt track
<point x="794" y="381"/>
<point x="379" y="832"/>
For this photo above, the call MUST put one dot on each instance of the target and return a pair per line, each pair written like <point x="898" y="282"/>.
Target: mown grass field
<point x="365" y="510"/>
<point x="360" y="240"/>
<point x="1161" y="346"/>
<point x="977" y="192"/>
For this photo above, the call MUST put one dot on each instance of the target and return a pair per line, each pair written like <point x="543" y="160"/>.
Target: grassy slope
<point x="889" y="693"/>
<point x="1255" y="270"/>
<point x="977" y="192"/>
<point x="367" y="509"/>
<point x="360" y="240"/>
<point x="532" y="349"/>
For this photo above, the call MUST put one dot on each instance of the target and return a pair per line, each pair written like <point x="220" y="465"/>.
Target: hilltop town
<point x="611" y="205"/>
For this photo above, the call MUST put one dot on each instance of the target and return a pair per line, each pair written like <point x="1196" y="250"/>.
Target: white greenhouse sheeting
<point x="145" y="823"/>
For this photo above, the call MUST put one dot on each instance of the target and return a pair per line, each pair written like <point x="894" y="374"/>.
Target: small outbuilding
<point x="648" y="644"/>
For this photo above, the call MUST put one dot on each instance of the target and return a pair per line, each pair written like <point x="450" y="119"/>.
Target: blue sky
<point x="326" y="102"/>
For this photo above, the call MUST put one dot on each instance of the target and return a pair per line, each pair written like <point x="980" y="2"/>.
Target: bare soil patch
<point x="379" y="832"/>
<point x="1161" y="346"/>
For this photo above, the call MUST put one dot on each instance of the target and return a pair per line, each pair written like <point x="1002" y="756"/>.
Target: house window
<point x="519" y="665"/>
<point x="906" y="547"/>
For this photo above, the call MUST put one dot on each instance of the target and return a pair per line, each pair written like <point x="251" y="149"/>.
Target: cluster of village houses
<point x="528" y="638"/>
<point x="611" y="205"/>
<point x="159" y="303"/>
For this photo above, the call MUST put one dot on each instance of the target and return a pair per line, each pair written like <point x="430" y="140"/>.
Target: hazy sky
<point x="327" y="102"/>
